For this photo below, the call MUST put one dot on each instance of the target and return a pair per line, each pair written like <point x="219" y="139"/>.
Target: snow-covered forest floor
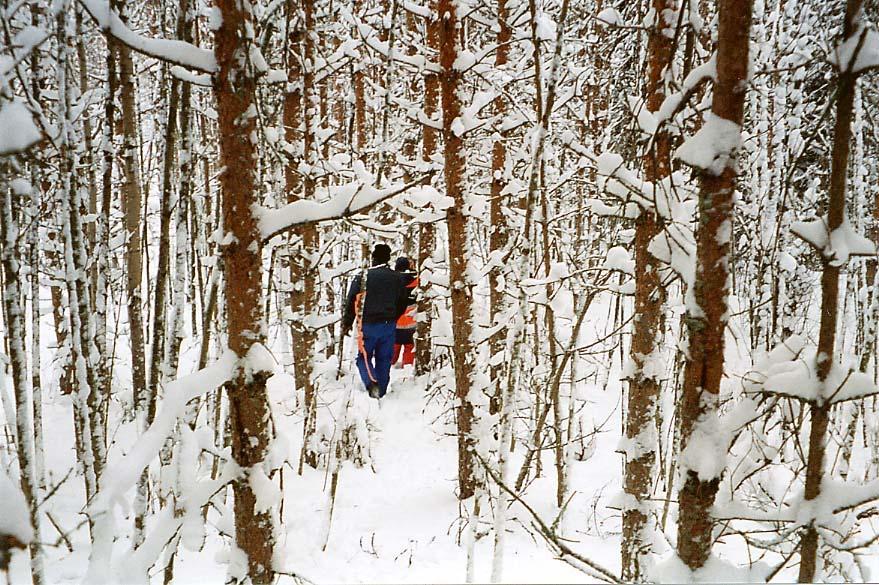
<point x="395" y="518"/>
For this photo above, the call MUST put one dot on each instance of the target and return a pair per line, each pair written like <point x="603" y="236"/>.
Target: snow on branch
<point x="791" y="370"/>
<point x="344" y="201"/>
<point x="20" y="132"/>
<point x="859" y="52"/>
<point x="177" y="395"/>
<point x="837" y="246"/>
<point x="172" y="51"/>
<point x="713" y="148"/>
<point x="23" y="44"/>
<point x="370" y="38"/>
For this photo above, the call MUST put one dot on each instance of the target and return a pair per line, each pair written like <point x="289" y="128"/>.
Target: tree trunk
<point x="427" y="231"/>
<point x="649" y="298"/>
<point x="235" y="90"/>
<point x="10" y="258"/>
<point x="707" y="310"/>
<point x="818" y="410"/>
<point x="458" y="221"/>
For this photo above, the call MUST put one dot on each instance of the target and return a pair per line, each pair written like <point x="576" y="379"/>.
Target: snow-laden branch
<point x="172" y="51"/>
<point x="19" y="132"/>
<point x="23" y="44"/>
<point x="369" y="37"/>
<point x="125" y="473"/>
<point x="343" y="201"/>
<point x="791" y="370"/>
<point x="859" y="52"/>
<point x="837" y="246"/>
<point x="177" y="395"/>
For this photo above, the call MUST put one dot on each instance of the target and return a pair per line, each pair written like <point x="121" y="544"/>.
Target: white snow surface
<point x="715" y="570"/>
<point x="842" y="243"/>
<point x="19" y="132"/>
<point x="713" y="147"/>
<point x="14" y="520"/>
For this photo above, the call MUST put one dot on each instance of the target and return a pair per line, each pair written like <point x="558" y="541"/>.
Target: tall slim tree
<point x="644" y="386"/>
<point x="707" y="312"/>
<point x="819" y="411"/>
<point x="457" y="219"/>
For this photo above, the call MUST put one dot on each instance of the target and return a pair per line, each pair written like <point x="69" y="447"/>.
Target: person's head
<point x="381" y="254"/>
<point x="402" y="264"/>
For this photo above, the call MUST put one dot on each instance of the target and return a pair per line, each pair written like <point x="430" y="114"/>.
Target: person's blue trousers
<point x="375" y="354"/>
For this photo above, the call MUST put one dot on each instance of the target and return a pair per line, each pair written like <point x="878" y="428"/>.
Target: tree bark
<point x="707" y="311"/>
<point x="819" y="411"/>
<point x="427" y="231"/>
<point x="235" y="90"/>
<point x="644" y="387"/>
<point x="457" y="219"/>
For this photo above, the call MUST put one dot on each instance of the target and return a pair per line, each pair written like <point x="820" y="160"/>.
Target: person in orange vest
<point x="405" y="335"/>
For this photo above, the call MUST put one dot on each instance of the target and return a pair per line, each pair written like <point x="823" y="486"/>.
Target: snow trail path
<point x="400" y="523"/>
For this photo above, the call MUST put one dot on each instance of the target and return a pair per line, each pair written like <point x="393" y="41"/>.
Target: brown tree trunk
<point x="498" y="221"/>
<point x="427" y="231"/>
<point x="706" y="322"/>
<point x="235" y="88"/>
<point x="649" y="298"/>
<point x="304" y="271"/>
<point x="818" y="410"/>
<point x="132" y="202"/>
<point x="457" y="220"/>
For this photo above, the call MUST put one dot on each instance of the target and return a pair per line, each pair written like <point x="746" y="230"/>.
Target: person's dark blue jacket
<point x="386" y="297"/>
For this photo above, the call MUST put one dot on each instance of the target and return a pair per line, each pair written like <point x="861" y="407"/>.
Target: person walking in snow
<point x="375" y="306"/>
<point x="405" y="336"/>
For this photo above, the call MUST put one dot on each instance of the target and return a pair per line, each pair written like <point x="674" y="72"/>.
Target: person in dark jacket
<point x="405" y="336"/>
<point x="375" y="307"/>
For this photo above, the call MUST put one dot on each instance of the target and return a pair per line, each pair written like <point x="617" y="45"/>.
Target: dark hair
<point x="402" y="264"/>
<point x="381" y="254"/>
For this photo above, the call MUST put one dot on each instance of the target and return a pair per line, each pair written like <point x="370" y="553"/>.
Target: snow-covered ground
<point x="394" y="520"/>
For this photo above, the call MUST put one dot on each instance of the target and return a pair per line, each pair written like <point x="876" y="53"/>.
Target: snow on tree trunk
<point x="132" y="204"/>
<point x="457" y="219"/>
<point x="819" y="411"/>
<point x="644" y="382"/>
<point x="427" y="230"/>
<point x="10" y="258"/>
<point x="235" y="88"/>
<point x="707" y="310"/>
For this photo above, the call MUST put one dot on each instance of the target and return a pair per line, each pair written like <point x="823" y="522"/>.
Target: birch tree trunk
<point x="707" y="310"/>
<point x="10" y="258"/>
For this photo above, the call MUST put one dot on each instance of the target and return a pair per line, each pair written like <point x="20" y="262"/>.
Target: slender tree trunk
<point x="458" y="222"/>
<point x="132" y="204"/>
<point x="235" y="90"/>
<point x="10" y="258"/>
<point x="163" y="272"/>
<point x="644" y="387"/>
<point x="504" y="393"/>
<point x="306" y="295"/>
<point x="820" y="411"/>
<point x="182" y="234"/>
<point x="498" y="238"/>
<point x="89" y="446"/>
<point x="427" y="231"/>
<point x="707" y="312"/>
